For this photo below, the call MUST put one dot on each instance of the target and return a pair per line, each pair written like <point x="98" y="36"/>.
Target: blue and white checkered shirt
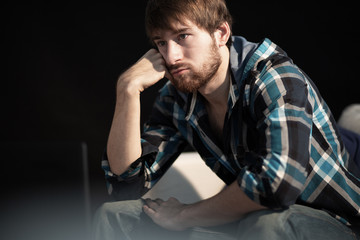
<point x="280" y="141"/>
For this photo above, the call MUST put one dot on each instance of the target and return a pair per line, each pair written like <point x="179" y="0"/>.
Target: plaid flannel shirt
<point x="280" y="140"/>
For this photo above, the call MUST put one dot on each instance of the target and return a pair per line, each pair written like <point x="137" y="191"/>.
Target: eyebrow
<point x="175" y="32"/>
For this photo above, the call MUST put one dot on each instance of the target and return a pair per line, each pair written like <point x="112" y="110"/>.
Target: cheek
<point x="196" y="56"/>
<point x="162" y="52"/>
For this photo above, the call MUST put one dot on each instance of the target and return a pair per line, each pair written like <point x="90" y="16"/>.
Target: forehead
<point x="175" y="27"/>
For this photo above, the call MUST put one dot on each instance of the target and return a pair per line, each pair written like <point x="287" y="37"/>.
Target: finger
<point x="168" y="74"/>
<point x="159" y="201"/>
<point x="173" y="199"/>
<point x="151" y="204"/>
<point x="161" y="63"/>
<point x="147" y="201"/>
<point x="149" y="211"/>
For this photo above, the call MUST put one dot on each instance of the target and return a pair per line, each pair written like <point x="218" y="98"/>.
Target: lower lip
<point x="179" y="72"/>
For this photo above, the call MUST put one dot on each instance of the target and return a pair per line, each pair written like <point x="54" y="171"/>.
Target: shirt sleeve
<point x="161" y="144"/>
<point x="282" y="118"/>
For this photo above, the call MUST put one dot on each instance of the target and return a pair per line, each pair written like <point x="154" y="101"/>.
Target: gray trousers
<point x="125" y="220"/>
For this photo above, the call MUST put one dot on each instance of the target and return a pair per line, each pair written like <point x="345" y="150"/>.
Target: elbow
<point x="119" y="162"/>
<point x="117" y="171"/>
<point x="284" y="196"/>
<point x="115" y="164"/>
<point x="116" y="168"/>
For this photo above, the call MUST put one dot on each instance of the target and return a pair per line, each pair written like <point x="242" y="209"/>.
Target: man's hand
<point x="147" y="71"/>
<point x="167" y="214"/>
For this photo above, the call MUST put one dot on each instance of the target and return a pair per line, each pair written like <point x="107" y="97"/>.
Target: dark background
<point x="62" y="61"/>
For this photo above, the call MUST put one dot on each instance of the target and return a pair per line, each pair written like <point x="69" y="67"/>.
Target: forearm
<point x="124" y="144"/>
<point x="227" y="206"/>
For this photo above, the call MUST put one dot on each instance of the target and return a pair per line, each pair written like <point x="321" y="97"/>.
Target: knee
<point x="115" y="209"/>
<point x="103" y="214"/>
<point x="293" y="223"/>
<point x="115" y="219"/>
<point x="266" y="224"/>
<point x="101" y="225"/>
<point x="104" y="210"/>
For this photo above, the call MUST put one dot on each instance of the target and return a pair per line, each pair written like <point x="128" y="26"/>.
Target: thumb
<point x="149" y="211"/>
<point x="168" y="74"/>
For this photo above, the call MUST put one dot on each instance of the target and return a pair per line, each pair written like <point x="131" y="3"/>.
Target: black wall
<point x="62" y="61"/>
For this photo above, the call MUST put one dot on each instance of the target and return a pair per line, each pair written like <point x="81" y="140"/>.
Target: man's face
<point x="191" y="55"/>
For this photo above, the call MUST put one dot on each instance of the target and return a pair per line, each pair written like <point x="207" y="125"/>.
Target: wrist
<point x="127" y="86"/>
<point x="185" y="217"/>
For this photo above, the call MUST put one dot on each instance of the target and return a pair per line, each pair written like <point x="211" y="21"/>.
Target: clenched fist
<point x="147" y="71"/>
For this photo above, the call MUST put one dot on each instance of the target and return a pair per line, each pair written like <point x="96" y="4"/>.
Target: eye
<point x="183" y="36"/>
<point x="160" y="43"/>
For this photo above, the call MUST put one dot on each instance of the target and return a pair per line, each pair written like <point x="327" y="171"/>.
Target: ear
<point x="222" y="34"/>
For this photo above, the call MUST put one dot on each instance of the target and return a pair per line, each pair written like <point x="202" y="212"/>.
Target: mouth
<point x="178" y="71"/>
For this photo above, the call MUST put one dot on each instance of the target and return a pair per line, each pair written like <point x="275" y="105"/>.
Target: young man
<point x="254" y="117"/>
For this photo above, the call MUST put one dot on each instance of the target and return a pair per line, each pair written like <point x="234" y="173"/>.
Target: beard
<point x="193" y="80"/>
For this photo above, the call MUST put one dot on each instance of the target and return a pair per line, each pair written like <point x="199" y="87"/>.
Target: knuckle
<point x="152" y="50"/>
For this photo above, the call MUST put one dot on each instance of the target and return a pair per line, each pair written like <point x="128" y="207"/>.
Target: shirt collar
<point x="193" y="97"/>
<point x="233" y="93"/>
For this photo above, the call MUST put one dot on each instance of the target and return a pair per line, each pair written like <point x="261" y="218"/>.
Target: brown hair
<point x="206" y="14"/>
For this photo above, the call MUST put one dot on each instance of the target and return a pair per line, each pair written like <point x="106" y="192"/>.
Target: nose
<point x="173" y="53"/>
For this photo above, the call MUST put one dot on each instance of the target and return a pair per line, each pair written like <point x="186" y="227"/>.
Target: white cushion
<point x="350" y="118"/>
<point x="188" y="179"/>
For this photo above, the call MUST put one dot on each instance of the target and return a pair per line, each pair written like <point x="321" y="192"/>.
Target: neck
<point x="216" y="91"/>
